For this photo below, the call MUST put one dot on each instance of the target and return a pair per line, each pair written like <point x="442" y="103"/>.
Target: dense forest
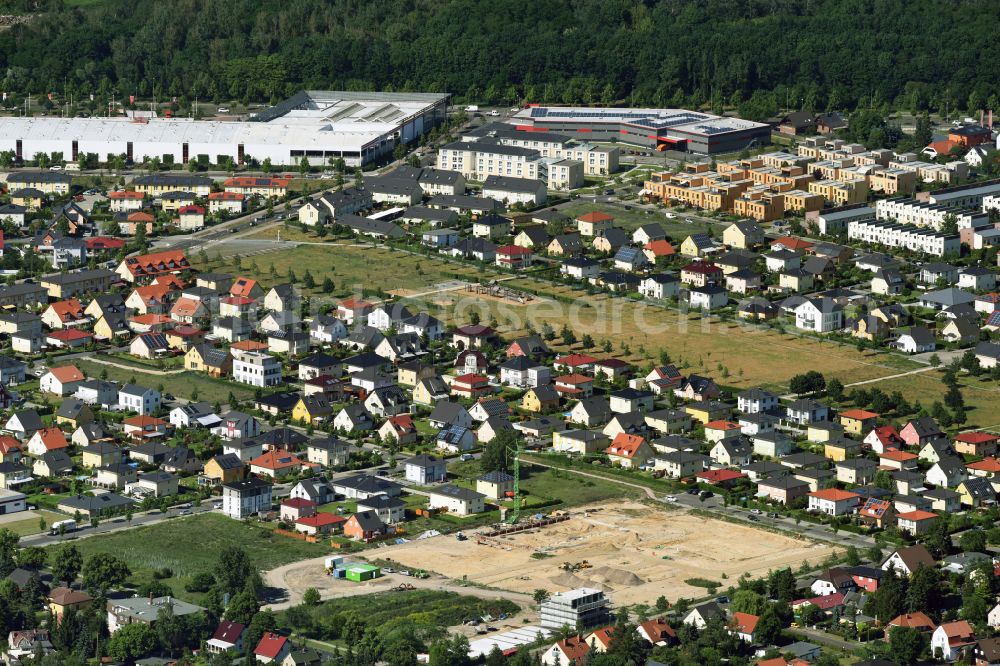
<point x="757" y="55"/>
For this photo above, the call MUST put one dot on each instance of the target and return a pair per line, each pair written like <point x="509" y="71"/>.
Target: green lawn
<point x="542" y="485"/>
<point x="351" y="269"/>
<point x="629" y="220"/>
<point x="190" y="545"/>
<point x="180" y="384"/>
<point x="425" y="612"/>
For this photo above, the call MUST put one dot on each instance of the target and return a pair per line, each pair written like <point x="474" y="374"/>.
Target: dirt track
<point x="295" y="578"/>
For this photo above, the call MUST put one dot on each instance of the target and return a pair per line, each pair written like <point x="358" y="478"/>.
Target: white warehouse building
<point x="359" y="127"/>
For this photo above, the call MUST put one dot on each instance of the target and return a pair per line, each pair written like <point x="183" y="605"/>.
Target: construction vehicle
<point x="460" y="536"/>
<point x="421" y="574"/>
<point x="575" y="566"/>
<point x="403" y="587"/>
<point x="515" y="514"/>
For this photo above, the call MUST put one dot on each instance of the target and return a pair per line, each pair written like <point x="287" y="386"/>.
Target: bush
<point x="703" y="582"/>
<point x="201" y="582"/>
<point x="165" y="572"/>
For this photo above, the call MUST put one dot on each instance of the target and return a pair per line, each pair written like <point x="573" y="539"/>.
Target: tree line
<point x="758" y="56"/>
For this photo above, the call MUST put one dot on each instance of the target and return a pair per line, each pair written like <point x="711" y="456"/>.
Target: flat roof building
<point x="582" y="607"/>
<point x="674" y="129"/>
<point x="359" y="127"/>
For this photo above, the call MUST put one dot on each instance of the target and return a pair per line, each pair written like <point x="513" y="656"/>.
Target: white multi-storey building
<point x="245" y="498"/>
<point x="893" y="234"/>
<point x="480" y="159"/>
<point x="138" y="399"/>
<point x="820" y="315"/>
<point x="257" y="369"/>
<point x="920" y="214"/>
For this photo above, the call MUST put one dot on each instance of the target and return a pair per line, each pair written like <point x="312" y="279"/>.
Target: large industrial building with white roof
<point x="659" y="129"/>
<point x="360" y="127"/>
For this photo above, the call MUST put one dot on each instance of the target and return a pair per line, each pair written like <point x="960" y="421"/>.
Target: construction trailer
<point x="362" y="572"/>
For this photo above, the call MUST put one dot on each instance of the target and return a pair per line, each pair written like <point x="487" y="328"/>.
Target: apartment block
<point x="565" y="174"/>
<point x="922" y="214"/>
<point x="907" y="236"/>
<point x="893" y="181"/>
<point x="802" y="202"/>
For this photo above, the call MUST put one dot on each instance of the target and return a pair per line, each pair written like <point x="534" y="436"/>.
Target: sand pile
<point x="612" y="576"/>
<point x="572" y="581"/>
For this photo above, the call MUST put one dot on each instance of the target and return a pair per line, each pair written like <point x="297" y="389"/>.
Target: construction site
<point x="631" y="551"/>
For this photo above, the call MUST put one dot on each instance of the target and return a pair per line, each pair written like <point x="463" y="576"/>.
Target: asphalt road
<point x="114" y="525"/>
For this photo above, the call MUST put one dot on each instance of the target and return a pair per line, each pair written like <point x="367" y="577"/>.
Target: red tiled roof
<point x="573" y="379"/>
<point x="976" y="437"/>
<point x="875" y="508"/>
<point x="989" y="465"/>
<point x="943" y="147"/>
<point x="888" y="435"/>
<point x="354" y="304"/>
<point x="658" y="629"/>
<point x="915" y="620"/>
<point x="898" y="456"/>
<point x="8" y="444"/>
<point x="126" y="194"/>
<point x="67" y="373"/>
<point x="625" y="445"/>
<point x="823" y="603"/>
<point x="68" y="309"/>
<point x="722" y="425"/>
<point x="191" y="210"/>
<point x="595" y="216"/>
<point x="470" y="379"/>
<point x="574" y="648"/>
<point x="52" y="438"/>
<point x="792" y="243"/>
<point x="859" y="414"/>
<point x="225" y="196"/>
<point x="744" y="623"/>
<point x="155" y="263"/>
<point x="242" y="287"/>
<point x="574" y="360"/>
<point x="276" y="459"/>
<point x="916" y="515"/>
<point x="248" y="345"/>
<point x="255" y="181"/>
<point x="320" y="520"/>
<point x="143" y="421"/>
<point x="69" y="335"/>
<point x="298" y="503"/>
<point x="105" y="243"/>
<point x="513" y="251"/>
<point x="270" y="645"/>
<point x="713" y="476"/>
<point x="834" y="494"/>
<point x="660" y="248"/>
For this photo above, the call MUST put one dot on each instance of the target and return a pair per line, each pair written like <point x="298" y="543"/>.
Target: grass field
<point x="423" y="609"/>
<point x="191" y="545"/>
<point x="180" y="384"/>
<point x="629" y="220"/>
<point x="29" y="525"/>
<point x="351" y="268"/>
<point x="542" y="484"/>
<point x="736" y="355"/>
